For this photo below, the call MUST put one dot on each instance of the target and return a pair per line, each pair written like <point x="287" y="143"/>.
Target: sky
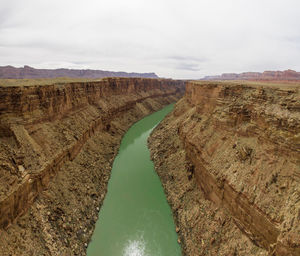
<point x="173" y="38"/>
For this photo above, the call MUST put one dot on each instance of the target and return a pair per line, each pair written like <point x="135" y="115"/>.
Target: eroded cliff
<point x="274" y="76"/>
<point x="239" y="147"/>
<point x="57" y="145"/>
<point x="10" y="72"/>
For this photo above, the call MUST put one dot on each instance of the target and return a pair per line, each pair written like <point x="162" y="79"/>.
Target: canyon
<point x="58" y="143"/>
<point x="228" y="157"/>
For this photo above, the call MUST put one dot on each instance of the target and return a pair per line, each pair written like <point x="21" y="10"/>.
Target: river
<point x="135" y="219"/>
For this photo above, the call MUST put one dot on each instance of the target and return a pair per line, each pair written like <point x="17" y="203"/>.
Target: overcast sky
<point x="173" y="38"/>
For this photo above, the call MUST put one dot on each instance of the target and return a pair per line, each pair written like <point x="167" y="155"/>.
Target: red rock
<point x="266" y="75"/>
<point x="10" y="72"/>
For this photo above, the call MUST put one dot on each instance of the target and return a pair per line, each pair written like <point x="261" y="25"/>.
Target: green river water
<point x="135" y="219"/>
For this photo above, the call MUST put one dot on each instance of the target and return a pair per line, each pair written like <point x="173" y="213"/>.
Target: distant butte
<point x="10" y="72"/>
<point x="285" y="75"/>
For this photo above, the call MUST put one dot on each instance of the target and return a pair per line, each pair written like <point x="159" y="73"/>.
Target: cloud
<point x="180" y="39"/>
<point x="188" y="66"/>
<point x="187" y="58"/>
<point x="187" y="63"/>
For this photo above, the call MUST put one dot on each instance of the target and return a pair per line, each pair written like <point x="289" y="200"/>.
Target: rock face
<point x="285" y="75"/>
<point x="9" y="72"/>
<point x="239" y="147"/>
<point x="68" y="133"/>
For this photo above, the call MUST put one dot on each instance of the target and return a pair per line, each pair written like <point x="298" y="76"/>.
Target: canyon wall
<point x="43" y="127"/>
<point x="240" y="149"/>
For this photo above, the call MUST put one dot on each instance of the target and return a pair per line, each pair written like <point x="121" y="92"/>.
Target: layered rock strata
<point x="239" y="147"/>
<point x="10" y="72"/>
<point x="286" y="75"/>
<point x="63" y="139"/>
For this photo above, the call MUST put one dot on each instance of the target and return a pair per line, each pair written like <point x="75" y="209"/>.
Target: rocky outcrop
<point x="241" y="148"/>
<point x="10" y="72"/>
<point x="43" y="127"/>
<point x="285" y="75"/>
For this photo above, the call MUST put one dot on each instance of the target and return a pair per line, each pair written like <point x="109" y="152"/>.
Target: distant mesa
<point x="10" y="72"/>
<point x="285" y="75"/>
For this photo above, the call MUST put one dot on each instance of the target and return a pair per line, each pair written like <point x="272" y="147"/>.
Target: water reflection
<point x="135" y="248"/>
